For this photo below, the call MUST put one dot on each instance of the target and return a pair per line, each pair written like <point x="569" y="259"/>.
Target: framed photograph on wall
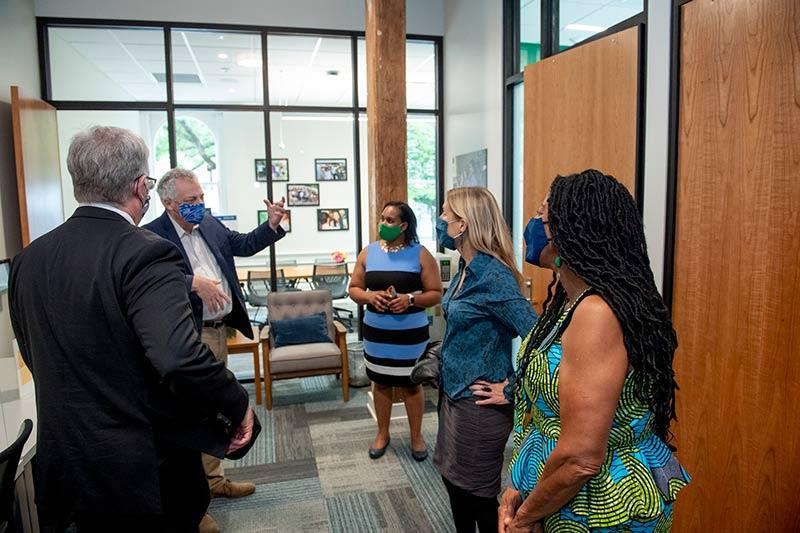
<point x="280" y="169"/>
<point x="302" y="194"/>
<point x="261" y="170"/>
<point x="286" y="221"/>
<point x="471" y="169"/>
<point x="337" y="219"/>
<point x="331" y="169"/>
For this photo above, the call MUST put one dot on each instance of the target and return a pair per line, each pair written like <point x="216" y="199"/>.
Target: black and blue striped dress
<point x="394" y="341"/>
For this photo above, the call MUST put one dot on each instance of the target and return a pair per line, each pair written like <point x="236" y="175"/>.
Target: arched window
<point x="196" y="148"/>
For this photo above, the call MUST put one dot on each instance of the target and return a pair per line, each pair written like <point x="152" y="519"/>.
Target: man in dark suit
<point x="208" y="249"/>
<point x="127" y="395"/>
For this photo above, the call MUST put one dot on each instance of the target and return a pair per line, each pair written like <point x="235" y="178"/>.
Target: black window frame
<point x="266" y="108"/>
<point x="513" y="76"/>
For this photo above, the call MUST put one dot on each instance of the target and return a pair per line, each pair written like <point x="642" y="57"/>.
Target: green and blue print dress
<point x="639" y="480"/>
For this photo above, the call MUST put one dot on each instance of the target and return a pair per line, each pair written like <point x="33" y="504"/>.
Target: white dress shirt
<point x="108" y="207"/>
<point x="204" y="264"/>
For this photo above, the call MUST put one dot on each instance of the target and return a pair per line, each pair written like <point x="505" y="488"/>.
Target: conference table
<point x="303" y="272"/>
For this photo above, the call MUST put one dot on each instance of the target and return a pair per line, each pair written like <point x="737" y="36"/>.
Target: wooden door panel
<point x="580" y="112"/>
<point x="38" y="168"/>
<point x="736" y="299"/>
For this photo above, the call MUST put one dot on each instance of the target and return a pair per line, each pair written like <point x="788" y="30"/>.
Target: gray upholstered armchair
<point x="303" y="360"/>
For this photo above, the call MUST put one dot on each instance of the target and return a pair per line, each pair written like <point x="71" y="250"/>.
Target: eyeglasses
<point x="149" y="182"/>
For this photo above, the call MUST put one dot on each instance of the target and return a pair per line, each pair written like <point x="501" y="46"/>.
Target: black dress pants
<point x="469" y="510"/>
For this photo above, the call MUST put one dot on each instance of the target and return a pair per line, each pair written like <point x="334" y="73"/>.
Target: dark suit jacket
<point x="100" y="311"/>
<point x="224" y="244"/>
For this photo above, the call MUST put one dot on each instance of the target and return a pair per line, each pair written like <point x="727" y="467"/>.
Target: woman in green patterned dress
<point x="595" y="388"/>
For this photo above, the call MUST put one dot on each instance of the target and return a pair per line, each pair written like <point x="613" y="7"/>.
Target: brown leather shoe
<point x="208" y="525"/>
<point x="231" y="489"/>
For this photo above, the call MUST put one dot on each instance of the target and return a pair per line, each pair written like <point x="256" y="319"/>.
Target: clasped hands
<point x="389" y="300"/>
<point x="508" y="521"/>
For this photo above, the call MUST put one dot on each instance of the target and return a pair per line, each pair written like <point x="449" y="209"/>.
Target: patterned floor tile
<point x="312" y="472"/>
<point x="352" y="513"/>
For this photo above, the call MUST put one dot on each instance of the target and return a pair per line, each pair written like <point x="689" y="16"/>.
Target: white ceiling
<point x="226" y="67"/>
<point x="599" y="13"/>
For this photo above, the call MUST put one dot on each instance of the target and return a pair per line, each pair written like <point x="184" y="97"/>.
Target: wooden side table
<point x="241" y="344"/>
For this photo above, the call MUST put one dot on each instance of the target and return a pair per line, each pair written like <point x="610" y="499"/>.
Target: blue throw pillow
<point x="302" y="330"/>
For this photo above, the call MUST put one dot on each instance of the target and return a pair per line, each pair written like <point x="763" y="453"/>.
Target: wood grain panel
<point x="580" y="112"/>
<point x="38" y="168"/>
<point x="386" y="105"/>
<point x="736" y="301"/>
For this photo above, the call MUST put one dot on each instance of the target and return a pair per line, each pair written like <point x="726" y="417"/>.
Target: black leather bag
<point x="426" y="369"/>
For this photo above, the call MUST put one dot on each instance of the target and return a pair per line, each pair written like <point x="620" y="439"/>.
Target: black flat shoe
<point x="420" y="456"/>
<point x="377" y="453"/>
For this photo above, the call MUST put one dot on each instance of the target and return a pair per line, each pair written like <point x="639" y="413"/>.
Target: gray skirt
<point x="470" y="444"/>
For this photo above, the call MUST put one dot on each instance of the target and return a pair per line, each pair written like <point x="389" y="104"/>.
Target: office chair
<point x="335" y="278"/>
<point x="9" y="462"/>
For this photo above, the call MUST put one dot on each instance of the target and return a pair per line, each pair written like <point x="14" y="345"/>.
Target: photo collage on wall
<point x="307" y="194"/>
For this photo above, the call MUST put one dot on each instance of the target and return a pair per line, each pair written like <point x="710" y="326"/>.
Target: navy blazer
<point x="224" y="245"/>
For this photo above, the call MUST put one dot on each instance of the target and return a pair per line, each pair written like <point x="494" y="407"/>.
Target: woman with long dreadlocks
<point x="595" y="389"/>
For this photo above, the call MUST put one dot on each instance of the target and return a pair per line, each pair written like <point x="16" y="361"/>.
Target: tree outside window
<point x="196" y="149"/>
<point x="422" y="176"/>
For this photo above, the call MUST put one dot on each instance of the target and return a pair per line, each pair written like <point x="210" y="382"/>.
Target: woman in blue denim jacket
<point x="485" y="310"/>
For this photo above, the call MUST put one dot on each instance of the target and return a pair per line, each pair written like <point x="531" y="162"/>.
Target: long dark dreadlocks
<point x="598" y="232"/>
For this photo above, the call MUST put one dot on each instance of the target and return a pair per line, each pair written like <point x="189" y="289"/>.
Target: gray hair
<point x="104" y="161"/>
<point x="166" y="185"/>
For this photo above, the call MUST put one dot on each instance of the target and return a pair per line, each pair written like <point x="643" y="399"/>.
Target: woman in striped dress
<point x="396" y="278"/>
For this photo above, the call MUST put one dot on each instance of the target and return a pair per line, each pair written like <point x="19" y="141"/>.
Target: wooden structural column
<point x="386" y="105"/>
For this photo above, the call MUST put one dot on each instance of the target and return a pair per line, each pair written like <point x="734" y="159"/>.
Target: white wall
<point x="473" y="81"/>
<point x="331" y="136"/>
<point x="422" y="16"/>
<point x="18" y="66"/>
<point x="657" y="134"/>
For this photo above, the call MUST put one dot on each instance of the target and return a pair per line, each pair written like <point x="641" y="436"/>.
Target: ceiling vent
<point x="177" y="78"/>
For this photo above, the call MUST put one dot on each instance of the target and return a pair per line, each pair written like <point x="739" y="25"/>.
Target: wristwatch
<point x="410" y="299"/>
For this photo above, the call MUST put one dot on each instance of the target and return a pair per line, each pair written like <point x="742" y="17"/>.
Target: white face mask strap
<point x="460" y="234"/>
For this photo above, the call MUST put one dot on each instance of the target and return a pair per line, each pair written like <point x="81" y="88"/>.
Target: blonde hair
<point x="487" y="232"/>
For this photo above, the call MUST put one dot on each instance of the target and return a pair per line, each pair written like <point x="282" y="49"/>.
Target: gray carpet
<point x="312" y="472"/>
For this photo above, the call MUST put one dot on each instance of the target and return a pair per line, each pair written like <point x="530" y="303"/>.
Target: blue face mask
<point x="442" y="237"/>
<point x="535" y="240"/>
<point x="192" y="213"/>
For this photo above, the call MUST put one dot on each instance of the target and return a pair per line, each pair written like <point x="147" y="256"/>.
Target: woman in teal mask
<point x="396" y="278"/>
<point x="485" y="309"/>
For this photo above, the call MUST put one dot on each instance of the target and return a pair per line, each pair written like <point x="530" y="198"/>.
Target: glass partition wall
<point x="255" y="113"/>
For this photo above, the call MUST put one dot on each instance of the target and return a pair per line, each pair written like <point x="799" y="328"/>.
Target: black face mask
<point x="145" y="203"/>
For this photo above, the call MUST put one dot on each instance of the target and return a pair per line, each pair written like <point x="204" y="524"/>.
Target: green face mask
<point x="389" y="233"/>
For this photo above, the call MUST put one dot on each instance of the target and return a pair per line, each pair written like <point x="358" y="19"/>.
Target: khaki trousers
<point x="217" y="340"/>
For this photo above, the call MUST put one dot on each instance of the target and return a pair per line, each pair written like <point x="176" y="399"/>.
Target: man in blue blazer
<point x="208" y="249"/>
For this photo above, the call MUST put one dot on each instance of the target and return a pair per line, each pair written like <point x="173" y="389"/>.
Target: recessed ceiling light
<point x="585" y="27"/>
<point x="248" y="61"/>
<point x="222" y="55"/>
<point x="221" y="37"/>
<point x="232" y="90"/>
